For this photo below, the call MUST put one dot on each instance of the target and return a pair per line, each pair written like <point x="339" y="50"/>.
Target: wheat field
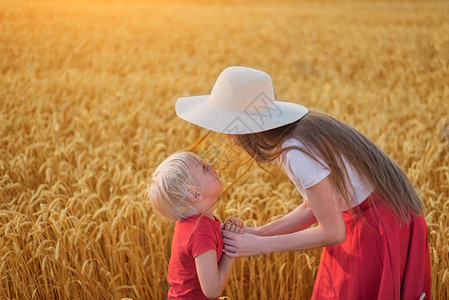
<point x="87" y="94"/>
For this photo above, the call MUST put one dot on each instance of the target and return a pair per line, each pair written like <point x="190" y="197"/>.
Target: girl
<point x="369" y="217"/>
<point x="185" y="189"/>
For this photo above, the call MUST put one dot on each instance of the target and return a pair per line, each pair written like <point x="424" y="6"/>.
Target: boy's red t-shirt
<point x="192" y="236"/>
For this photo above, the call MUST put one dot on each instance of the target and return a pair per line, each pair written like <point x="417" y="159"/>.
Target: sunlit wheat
<point x="87" y="94"/>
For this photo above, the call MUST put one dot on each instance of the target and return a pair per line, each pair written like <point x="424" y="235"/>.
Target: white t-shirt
<point x="306" y="172"/>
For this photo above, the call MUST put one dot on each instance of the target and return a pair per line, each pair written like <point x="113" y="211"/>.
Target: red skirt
<point x="379" y="259"/>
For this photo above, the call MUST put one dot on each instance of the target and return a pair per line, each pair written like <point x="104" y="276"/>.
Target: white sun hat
<point x="241" y="102"/>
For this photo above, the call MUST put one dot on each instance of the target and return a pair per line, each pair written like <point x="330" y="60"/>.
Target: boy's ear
<point x="195" y="195"/>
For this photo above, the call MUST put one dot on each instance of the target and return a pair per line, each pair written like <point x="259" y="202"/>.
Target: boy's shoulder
<point x="198" y="225"/>
<point x="197" y="233"/>
<point x="198" y="221"/>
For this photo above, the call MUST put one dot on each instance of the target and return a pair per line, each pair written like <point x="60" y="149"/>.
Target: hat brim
<point x="199" y="111"/>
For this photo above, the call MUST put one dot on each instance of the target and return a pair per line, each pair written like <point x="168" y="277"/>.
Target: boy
<point x="185" y="189"/>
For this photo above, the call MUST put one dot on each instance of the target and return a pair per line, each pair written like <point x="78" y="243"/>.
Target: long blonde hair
<point x="332" y="141"/>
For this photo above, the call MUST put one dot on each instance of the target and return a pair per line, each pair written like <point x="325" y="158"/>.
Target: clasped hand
<point x="239" y="240"/>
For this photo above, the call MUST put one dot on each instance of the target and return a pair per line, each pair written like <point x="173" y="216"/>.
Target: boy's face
<point x="207" y="179"/>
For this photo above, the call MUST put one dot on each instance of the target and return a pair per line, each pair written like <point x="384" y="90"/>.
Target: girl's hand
<point x="241" y="245"/>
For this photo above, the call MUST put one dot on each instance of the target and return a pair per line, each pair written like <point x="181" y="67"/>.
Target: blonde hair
<point x="171" y="185"/>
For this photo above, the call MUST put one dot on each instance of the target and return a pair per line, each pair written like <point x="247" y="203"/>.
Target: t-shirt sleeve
<point x="303" y="169"/>
<point x="202" y="240"/>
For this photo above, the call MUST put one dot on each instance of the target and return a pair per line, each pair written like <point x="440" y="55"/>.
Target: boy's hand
<point x="238" y="224"/>
<point x="233" y="225"/>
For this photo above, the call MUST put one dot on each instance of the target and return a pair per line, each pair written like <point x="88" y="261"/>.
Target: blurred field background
<point x="87" y="94"/>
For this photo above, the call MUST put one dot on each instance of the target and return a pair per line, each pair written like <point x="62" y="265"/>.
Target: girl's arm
<point x="329" y="231"/>
<point x="213" y="277"/>
<point x="298" y="219"/>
